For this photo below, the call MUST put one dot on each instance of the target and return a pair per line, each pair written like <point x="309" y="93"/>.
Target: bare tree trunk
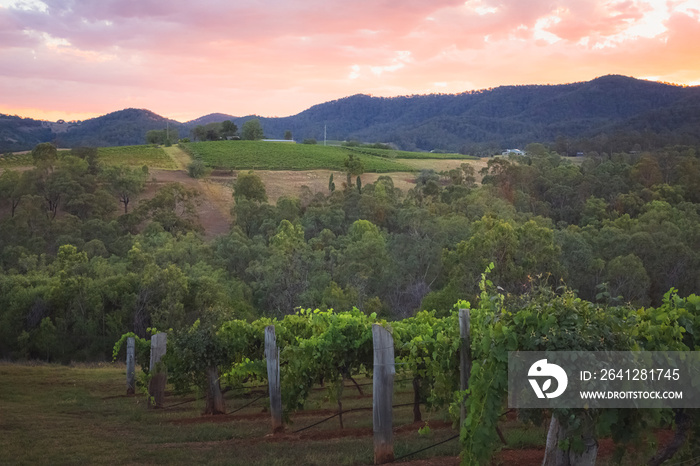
<point x="417" y="417"/>
<point x="551" y="448"/>
<point x="683" y="423"/>
<point x="500" y="435"/>
<point x="590" y="443"/>
<point x="215" y="399"/>
<point x="554" y="456"/>
<point x="359" y="389"/>
<point x="340" y="413"/>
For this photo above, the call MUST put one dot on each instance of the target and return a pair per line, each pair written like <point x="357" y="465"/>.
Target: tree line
<point x="251" y="130"/>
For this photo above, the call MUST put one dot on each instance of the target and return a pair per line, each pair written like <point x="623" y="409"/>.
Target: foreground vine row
<point x="330" y="348"/>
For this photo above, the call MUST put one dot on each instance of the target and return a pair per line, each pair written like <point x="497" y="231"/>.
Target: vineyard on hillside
<point x="334" y="349"/>
<point x="259" y="155"/>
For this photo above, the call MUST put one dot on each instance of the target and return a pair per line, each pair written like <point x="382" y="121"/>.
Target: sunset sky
<point x="76" y="59"/>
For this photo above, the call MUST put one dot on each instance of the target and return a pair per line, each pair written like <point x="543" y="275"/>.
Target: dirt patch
<point x="289" y="183"/>
<point x="444" y="164"/>
<point x="224" y="173"/>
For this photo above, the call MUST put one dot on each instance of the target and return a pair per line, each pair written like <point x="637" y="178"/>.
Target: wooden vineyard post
<point x="465" y="358"/>
<point x="156" y="387"/>
<point x="215" y="403"/>
<point x="272" y="355"/>
<point x="130" y="366"/>
<point x="382" y="394"/>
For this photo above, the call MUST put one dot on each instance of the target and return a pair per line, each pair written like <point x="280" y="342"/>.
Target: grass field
<point x="153" y="156"/>
<point x="258" y="155"/>
<point x="401" y="154"/>
<point x="52" y="414"/>
<point x="80" y="415"/>
<point x="136" y="156"/>
<point x="15" y="160"/>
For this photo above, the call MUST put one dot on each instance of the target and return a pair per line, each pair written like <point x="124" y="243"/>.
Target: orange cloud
<point x="84" y="57"/>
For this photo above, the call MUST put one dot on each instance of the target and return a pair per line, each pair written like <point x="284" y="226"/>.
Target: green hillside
<point x="263" y="155"/>
<point x="151" y="155"/>
<point x="137" y="156"/>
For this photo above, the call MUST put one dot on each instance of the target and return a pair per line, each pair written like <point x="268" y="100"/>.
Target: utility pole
<point x="324" y="134"/>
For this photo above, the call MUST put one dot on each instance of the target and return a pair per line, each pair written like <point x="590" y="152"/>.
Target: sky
<point x="77" y="59"/>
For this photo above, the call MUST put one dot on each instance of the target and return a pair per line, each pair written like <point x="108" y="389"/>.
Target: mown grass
<point x="53" y="414"/>
<point x="262" y="155"/>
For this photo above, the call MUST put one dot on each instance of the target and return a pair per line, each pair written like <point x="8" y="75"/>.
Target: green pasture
<point x="80" y="414"/>
<point x="52" y="414"/>
<point x="136" y="156"/>
<point x="151" y="155"/>
<point x="10" y="160"/>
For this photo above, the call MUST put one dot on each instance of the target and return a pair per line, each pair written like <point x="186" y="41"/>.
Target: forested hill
<point x="210" y="118"/>
<point x="508" y="116"/>
<point x="122" y="128"/>
<point x="22" y="133"/>
<point x="610" y="107"/>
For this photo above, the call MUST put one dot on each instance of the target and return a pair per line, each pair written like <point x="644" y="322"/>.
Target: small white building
<point x="280" y="140"/>
<point x="513" y="152"/>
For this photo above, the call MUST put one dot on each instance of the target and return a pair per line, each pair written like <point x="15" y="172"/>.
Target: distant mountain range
<point x="509" y="116"/>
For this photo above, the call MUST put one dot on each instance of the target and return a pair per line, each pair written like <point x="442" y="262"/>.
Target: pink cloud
<point x="584" y="19"/>
<point x="281" y="57"/>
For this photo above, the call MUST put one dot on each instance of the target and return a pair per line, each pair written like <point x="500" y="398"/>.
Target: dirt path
<point x="180" y="157"/>
<point x="215" y="208"/>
